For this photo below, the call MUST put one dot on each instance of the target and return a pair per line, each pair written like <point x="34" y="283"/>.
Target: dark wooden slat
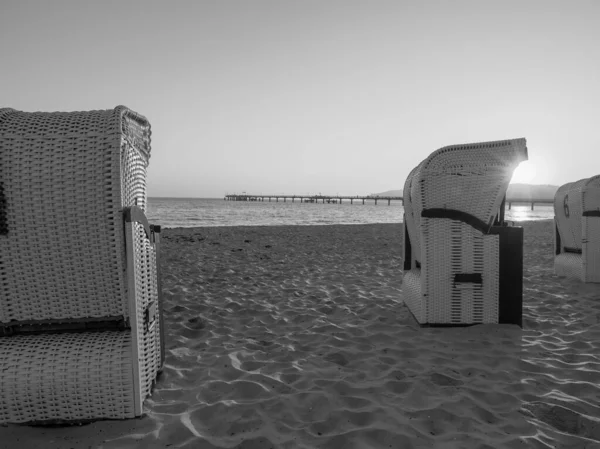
<point x="510" y="295"/>
<point x="63" y="325"/>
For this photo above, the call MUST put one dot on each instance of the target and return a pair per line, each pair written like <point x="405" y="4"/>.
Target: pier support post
<point x="509" y="206"/>
<point x="375" y="201"/>
<point x="389" y="201"/>
<point x="532" y="206"/>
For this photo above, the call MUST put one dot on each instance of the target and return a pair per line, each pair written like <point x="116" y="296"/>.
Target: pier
<point x="331" y="199"/>
<point x="530" y="201"/>
<point x="337" y="199"/>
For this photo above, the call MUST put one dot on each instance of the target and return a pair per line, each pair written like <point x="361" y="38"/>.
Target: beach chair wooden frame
<point x="463" y="264"/>
<point x="81" y="326"/>
<point x="577" y="230"/>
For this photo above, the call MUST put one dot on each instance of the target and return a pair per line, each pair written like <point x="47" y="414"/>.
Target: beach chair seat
<point x="92" y="369"/>
<point x="81" y="327"/>
<point x="577" y="230"/>
<point x="462" y="262"/>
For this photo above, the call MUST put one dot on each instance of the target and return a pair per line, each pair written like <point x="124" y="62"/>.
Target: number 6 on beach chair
<point x="577" y="230"/>
<point x="462" y="263"/>
<point x="81" y="332"/>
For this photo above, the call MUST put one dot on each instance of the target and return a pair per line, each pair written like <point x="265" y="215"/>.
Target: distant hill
<point x="520" y="191"/>
<point x="388" y="193"/>
<point x="531" y="191"/>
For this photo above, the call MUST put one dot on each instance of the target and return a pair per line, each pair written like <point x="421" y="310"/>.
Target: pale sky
<point x="308" y="96"/>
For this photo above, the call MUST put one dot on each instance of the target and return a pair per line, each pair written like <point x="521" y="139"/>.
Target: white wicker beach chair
<point x="462" y="263"/>
<point x="81" y="332"/>
<point x="577" y="230"/>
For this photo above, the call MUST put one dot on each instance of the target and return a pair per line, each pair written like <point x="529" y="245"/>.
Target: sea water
<point x="191" y="212"/>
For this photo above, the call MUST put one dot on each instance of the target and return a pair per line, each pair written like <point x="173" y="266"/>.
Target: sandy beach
<point x="297" y="337"/>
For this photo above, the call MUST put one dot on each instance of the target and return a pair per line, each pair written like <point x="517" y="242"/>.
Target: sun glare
<point x="524" y="173"/>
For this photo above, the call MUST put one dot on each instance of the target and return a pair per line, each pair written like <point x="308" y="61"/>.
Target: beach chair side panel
<point x="411" y="281"/>
<point x="590" y="244"/>
<point x="143" y="302"/>
<point x="142" y="264"/>
<point x="462" y="282"/>
<point x="411" y="232"/>
<point x="567" y="210"/>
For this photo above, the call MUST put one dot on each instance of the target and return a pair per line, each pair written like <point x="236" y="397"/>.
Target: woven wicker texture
<point x="104" y="380"/>
<point x="67" y="254"/>
<point x="146" y="292"/>
<point x="65" y="179"/>
<point x="470" y="178"/>
<point x="413" y="298"/>
<point x="69" y="376"/>
<point x="569" y="264"/>
<point x="576" y="231"/>
<point x="466" y="251"/>
<point x="591" y="249"/>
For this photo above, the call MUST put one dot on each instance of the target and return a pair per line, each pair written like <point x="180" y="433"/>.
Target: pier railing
<point x="337" y="199"/>
<point x="531" y="201"/>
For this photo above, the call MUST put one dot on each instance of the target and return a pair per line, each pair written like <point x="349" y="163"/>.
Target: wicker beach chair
<point x="577" y="230"/>
<point x="462" y="263"/>
<point x="81" y="332"/>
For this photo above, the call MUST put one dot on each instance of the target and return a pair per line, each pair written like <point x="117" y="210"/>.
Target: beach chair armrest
<point x="154" y="311"/>
<point x="134" y="214"/>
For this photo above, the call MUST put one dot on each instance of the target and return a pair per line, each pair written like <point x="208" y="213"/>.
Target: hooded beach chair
<point x="577" y="230"/>
<point x="81" y="332"/>
<point x="462" y="263"/>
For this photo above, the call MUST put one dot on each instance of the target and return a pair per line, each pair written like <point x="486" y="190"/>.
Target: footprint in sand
<point x="196" y="323"/>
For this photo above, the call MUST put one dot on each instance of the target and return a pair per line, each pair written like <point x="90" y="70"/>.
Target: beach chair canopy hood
<point x="65" y="178"/>
<point x="469" y="179"/>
